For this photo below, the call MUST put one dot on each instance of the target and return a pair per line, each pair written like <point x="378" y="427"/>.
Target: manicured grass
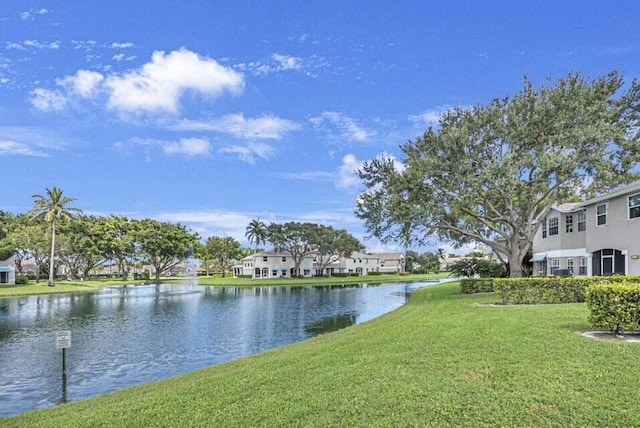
<point x="63" y="286"/>
<point x="440" y="360"/>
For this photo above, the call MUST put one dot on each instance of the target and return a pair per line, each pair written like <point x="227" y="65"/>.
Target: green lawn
<point x="63" y="286"/>
<point x="441" y="360"/>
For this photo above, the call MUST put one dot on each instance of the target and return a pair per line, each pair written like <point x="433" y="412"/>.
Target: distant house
<point x="8" y="272"/>
<point x="273" y="264"/>
<point x="591" y="238"/>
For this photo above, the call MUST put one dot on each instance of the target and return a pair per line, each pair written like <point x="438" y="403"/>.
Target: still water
<point x="125" y="336"/>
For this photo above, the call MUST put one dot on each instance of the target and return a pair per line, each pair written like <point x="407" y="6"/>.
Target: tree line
<point x="55" y="235"/>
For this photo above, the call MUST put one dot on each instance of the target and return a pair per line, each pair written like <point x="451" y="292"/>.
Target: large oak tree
<point x="490" y="174"/>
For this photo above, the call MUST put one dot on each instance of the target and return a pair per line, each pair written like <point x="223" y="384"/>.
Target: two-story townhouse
<point x="8" y="271"/>
<point x="391" y="262"/>
<point x="559" y="245"/>
<point x="362" y="263"/>
<point x="613" y="232"/>
<point x="274" y="264"/>
<point x="595" y="237"/>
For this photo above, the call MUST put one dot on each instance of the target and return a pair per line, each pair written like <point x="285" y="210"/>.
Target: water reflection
<point x="123" y="336"/>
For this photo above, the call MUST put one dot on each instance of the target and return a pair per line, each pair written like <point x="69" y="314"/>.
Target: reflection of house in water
<point x="276" y="264"/>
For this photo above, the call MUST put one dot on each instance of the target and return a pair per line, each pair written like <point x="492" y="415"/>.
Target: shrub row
<point x="614" y="306"/>
<point x="550" y="289"/>
<point x="476" y="285"/>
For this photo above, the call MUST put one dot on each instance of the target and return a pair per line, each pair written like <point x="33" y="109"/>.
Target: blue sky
<point x="214" y="113"/>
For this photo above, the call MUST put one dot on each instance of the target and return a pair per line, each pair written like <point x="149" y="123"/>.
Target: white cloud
<point x="46" y="100"/>
<point x="250" y="152"/>
<point x="346" y="126"/>
<point x="287" y="62"/>
<point x="125" y="45"/>
<point x="265" y="127"/>
<point x="188" y="146"/>
<point x="84" y="83"/>
<point x="39" y="45"/>
<point x="159" y="84"/>
<point x="348" y="172"/>
<point x="16" y="46"/>
<point x="214" y="222"/>
<point x="277" y="63"/>
<point x="14" y="148"/>
<point x="432" y="117"/>
<point x="122" y="57"/>
<point x="30" y="14"/>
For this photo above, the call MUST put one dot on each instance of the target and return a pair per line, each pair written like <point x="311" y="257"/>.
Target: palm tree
<point x="256" y="233"/>
<point x="53" y="208"/>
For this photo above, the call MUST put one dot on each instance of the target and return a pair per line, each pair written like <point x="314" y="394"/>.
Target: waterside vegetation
<point x="443" y="359"/>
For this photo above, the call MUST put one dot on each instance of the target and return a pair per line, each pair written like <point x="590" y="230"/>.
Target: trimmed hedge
<point x="476" y="285"/>
<point x="614" y="306"/>
<point x="550" y="289"/>
<point x="22" y="280"/>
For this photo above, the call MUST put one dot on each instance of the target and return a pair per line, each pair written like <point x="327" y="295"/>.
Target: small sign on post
<point x="63" y="339"/>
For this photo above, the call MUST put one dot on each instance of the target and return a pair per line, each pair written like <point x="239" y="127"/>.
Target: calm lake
<point x="125" y="336"/>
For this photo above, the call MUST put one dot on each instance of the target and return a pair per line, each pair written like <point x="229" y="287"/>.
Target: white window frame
<point x="582" y="267"/>
<point x="582" y="221"/>
<point x="554" y="264"/>
<point x="636" y="205"/>
<point x="568" y="223"/>
<point x="554" y="226"/>
<point x="544" y="228"/>
<point x="604" y="214"/>
<point x="570" y="266"/>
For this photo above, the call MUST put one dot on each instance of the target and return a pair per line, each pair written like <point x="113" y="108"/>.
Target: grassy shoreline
<point x="443" y="359"/>
<point x="84" y="286"/>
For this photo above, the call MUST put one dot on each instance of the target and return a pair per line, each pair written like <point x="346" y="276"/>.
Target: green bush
<point x="22" y="280"/>
<point x="476" y="285"/>
<point x="244" y="276"/>
<point x="374" y="273"/>
<point x="542" y="289"/>
<point x="340" y="274"/>
<point x="614" y="306"/>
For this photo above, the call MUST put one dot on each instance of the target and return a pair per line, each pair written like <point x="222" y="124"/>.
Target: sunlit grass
<point x="441" y="360"/>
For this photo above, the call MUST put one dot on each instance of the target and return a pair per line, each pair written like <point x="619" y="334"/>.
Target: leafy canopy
<point x="490" y="173"/>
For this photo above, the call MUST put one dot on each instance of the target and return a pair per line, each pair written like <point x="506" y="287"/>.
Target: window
<point x="544" y="228"/>
<point x="570" y="266"/>
<point x="274" y="272"/>
<point x="568" y="223"/>
<point x="264" y="258"/>
<point x="555" y="265"/>
<point x="634" y="206"/>
<point x="553" y="226"/>
<point x="284" y="259"/>
<point x="582" y="221"/>
<point x="601" y="214"/>
<point x="582" y="268"/>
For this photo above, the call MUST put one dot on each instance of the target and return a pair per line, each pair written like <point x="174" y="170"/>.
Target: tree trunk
<point x="515" y="262"/>
<point x="51" y="282"/>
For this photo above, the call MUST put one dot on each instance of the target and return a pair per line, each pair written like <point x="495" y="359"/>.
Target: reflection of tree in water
<point x="329" y="324"/>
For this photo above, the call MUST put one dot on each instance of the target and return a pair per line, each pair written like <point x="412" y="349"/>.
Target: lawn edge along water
<point x="62" y="286"/>
<point x="443" y="359"/>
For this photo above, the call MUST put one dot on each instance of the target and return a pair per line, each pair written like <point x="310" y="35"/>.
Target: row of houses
<point x="600" y="236"/>
<point x="275" y="264"/>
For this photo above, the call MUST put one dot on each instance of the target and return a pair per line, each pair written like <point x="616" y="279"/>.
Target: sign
<point x="63" y="339"/>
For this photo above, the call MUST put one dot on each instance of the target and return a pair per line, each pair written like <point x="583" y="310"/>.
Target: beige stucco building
<point x="600" y="236"/>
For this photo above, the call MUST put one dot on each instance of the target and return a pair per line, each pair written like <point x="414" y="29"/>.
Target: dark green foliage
<point x="614" y="306"/>
<point x="476" y="285"/>
<point x="549" y="289"/>
<point x="374" y="273"/>
<point x="22" y="280"/>
<point x="244" y="276"/>
<point x="469" y="267"/>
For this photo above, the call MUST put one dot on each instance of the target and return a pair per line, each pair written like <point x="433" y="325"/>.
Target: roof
<point x="624" y="190"/>
<point x="568" y="207"/>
